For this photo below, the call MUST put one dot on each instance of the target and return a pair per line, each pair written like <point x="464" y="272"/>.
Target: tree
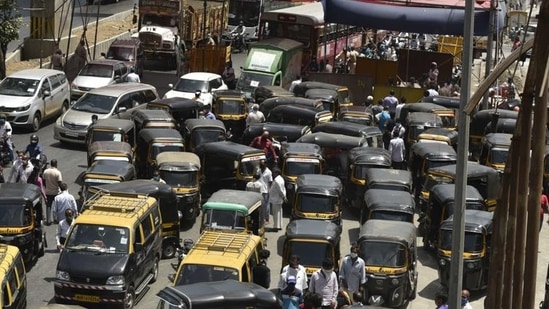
<point x="10" y="22"/>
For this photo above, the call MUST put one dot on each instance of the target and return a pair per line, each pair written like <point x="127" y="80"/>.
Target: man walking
<point x="255" y="116"/>
<point x="62" y="202"/>
<point x="63" y="228"/>
<point x="396" y="147"/>
<point x="52" y="180"/>
<point x="352" y="272"/>
<point x="23" y="171"/>
<point x="294" y="269"/>
<point x="277" y="197"/>
<point x="324" y="283"/>
<point x="266" y="178"/>
<point x="391" y="103"/>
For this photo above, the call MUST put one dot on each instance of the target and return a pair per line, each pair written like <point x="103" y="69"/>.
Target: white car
<point x="190" y="83"/>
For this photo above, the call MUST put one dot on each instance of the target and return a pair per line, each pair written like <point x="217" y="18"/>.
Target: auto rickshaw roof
<point x="18" y="192"/>
<point x="446" y="193"/>
<point x="434" y="150"/>
<point x="111" y="147"/>
<point x="450" y="102"/>
<point x="230" y="94"/>
<point x="473" y="170"/>
<point x="388" y="230"/>
<point x="385" y="175"/>
<point x="150" y="134"/>
<point x="141" y="186"/>
<point x="308" y="149"/>
<point x="272" y="91"/>
<point x="298" y="111"/>
<point x="318" y="181"/>
<point x="325" y="95"/>
<point x="331" y="140"/>
<point x="302" y="87"/>
<point x="422" y="107"/>
<point x="476" y="221"/>
<point x="234" y="200"/>
<point x="452" y="135"/>
<point x="504" y="125"/>
<point x="343" y="127"/>
<point x="313" y="229"/>
<point x="425" y="119"/>
<point x="188" y="160"/>
<point x="122" y="169"/>
<point x="124" y="125"/>
<point x="219" y="294"/>
<point x="291" y="131"/>
<point x="271" y="103"/>
<point x="370" y="156"/>
<point x="229" y="149"/>
<point x="483" y="117"/>
<point x="152" y="115"/>
<point x="192" y="124"/>
<point x="176" y="104"/>
<point x="393" y="200"/>
<point x="499" y="139"/>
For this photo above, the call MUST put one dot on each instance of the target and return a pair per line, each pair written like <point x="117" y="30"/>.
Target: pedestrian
<point x="208" y="112"/>
<point x="266" y="178"/>
<point x="465" y="304"/>
<point x="197" y="94"/>
<point x="351" y="60"/>
<point x="62" y="229"/>
<point x="62" y="202"/>
<point x="295" y="82"/>
<point x="254" y="185"/>
<point x="57" y="60"/>
<point x="544" y="207"/>
<point x="441" y="301"/>
<point x="5" y="135"/>
<point x="293" y="268"/>
<point x="311" y="301"/>
<point x="369" y="101"/>
<point x="228" y="76"/>
<point x="261" y="272"/>
<point x="324" y="283"/>
<point x="156" y="176"/>
<point x="265" y="143"/>
<point x="36" y="180"/>
<point x="433" y="73"/>
<point x="352" y="274"/>
<point x="291" y="296"/>
<point x="377" y="108"/>
<point x="52" y="180"/>
<point x="24" y="170"/>
<point x="255" y="116"/>
<point x="133" y="77"/>
<point x="398" y="108"/>
<point x="15" y="165"/>
<point x="382" y="118"/>
<point x="391" y="103"/>
<point x="277" y="197"/>
<point x="396" y="148"/>
<point x="399" y="129"/>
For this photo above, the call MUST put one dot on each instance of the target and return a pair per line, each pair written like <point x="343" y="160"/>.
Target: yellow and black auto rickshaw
<point x="388" y="205"/>
<point x="388" y="179"/>
<point x="300" y="115"/>
<point x="342" y="93"/>
<point x="201" y="131"/>
<point x="268" y="105"/>
<point x="318" y="197"/>
<point x="298" y="159"/>
<point x="180" y="109"/>
<point x="356" y="114"/>
<point x="153" y="118"/>
<point x="447" y="115"/>
<point x="106" y="172"/>
<point x="150" y="143"/>
<point x="182" y="171"/>
<point x="439" y="135"/>
<point x="281" y="132"/>
<point x="231" y="107"/>
<point x="114" y="151"/>
<point x="479" y="121"/>
<point x="112" y="129"/>
<point x="264" y="92"/>
<point x="416" y="123"/>
<point x="494" y="150"/>
<point x="476" y="250"/>
<point x="389" y="251"/>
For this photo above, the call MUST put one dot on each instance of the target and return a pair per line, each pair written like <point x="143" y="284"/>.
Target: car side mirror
<point x="46" y="93"/>
<point x="138" y="247"/>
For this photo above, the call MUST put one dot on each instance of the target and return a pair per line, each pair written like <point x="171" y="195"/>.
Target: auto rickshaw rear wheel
<point x="168" y="251"/>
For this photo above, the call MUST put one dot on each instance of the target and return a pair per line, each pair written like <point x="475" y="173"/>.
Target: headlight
<point x="395" y="281"/>
<point x="116" y="280"/>
<point x="470" y="265"/>
<point x="22" y="108"/>
<point x="63" y="275"/>
<point x="442" y="262"/>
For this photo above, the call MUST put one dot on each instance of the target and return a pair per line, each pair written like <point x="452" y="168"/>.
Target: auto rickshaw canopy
<point x="110" y="149"/>
<point x="376" y="157"/>
<point x="152" y="188"/>
<point x="269" y="104"/>
<point x="264" y="92"/>
<point x="149" y="135"/>
<point x="313" y="230"/>
<point x="319" y="184"/>
<point x="498" y="139"/>
<point x="476" y="221"/>
<point x="301" y="149"/>
<point x="422" y="119"/>
<point x="434" y="151"/>
<point x="482" y="118"/>
<point x="345" y="128"/>
<point x="193" y="124"/>
<point x="329" y="140"/>
<point x="445" y="193"/>
<point x="424" y="107"/>
<point x="178" y="161"/>
<point x="17" y="192"/>
<point x="280" y="131"/>
<point x="175" y="104"/>
<point x="389" y="200"/>
<point x="450" y="102"/>
<point x="439" y="134"/>
<point x="160" y="117"/>
<point x="342" y="91"/>
<point x="244" y="202"/>
<point x="381" y="177"/>
<point x="112" y="125"/>
<point x="119" y="169"/>
<point x="389" y="231"/>
<point x="301" y="115"/>
<point x="229" y="149"/>
<point x="357" y="114"/>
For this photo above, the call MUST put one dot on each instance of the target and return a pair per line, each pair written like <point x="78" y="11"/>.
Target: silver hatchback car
<point x="30" y="96"/>
<point x="113" y="101"/>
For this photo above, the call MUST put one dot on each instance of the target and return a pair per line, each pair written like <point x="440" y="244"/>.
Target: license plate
<point x="87" y="298"/>
<point x="71" y="134"/>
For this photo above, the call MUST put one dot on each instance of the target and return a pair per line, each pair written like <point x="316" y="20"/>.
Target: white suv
<point x="190" y="83"/>
<point x="30" y="96"/>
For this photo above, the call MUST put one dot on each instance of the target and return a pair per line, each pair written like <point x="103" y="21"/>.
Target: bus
<point x="305" y="24"/>
<point x="249" y="12"/>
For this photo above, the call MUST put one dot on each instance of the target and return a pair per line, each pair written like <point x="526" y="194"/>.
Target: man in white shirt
<point x="63" y="228"/>
<point x="133" y="77"/>
<point x="396" y="147"/>
<point x="255" y="116"/>
<point x="277" y="197"/>
<point x="352" y="271"/>
<point x="62" y="202"/>
<point x="324" y="283"/>
<point x="294" y="269"/>
<point x="294" y="83"/>
<point x="266" y="178"/>
<point x="24" y="170"/>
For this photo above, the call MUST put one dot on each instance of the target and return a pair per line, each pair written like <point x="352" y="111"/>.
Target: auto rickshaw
<point x="278" y="131"/>
<point x="389" y="251"/>
<point x="20" y="219"/>
<point x="201" y="131"/>
<point x="264" y="92"/>
<point x="300" y="115"/>
<point x="182" y="171"/>
<point x="441" y="206"/>
<point x="150" y="143"/>
<point x="418" y="122"/>
<point x="227" y="165"/>
<point x="439" y="135"/>
<point x="327" y="97"/>
<point x="234" y="210"/>
<point x="112" y="129"/>
<point x="494" y="150"/>
<point x="356" y="114"/>
<point x="502" y="125"/>
<point x="343" y="97"/>
<point x="231" y="107"/>
<point x="476" y="250"/>
<point x="450" y="102"/>
<point x="114" y="151"/>
<point x="154" y="119"/>
<point x="317" y="197"/>
<point x="373" y="135"/>
<point x="447" y="115"/>
<point x="362" y="159"/>
<point x="312" y="241"/>
<point x="268" y="105"/>
<point x="298" y="159"/>
<point x="478" y="124"/>
<point x="388" y="179"/>
<point x="424" y="156"/>
<point x="485" y="179"/>
<point x="105" y="172"/>
<point x="167" y="200"/>
<point x="388" y="205"/>
<point x="180" y="109"/>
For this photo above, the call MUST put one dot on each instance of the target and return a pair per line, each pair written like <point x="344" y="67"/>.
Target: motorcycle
<point x="5" y="151"/>
<point x="239" y="42"/>
<point x="182" y="251"/>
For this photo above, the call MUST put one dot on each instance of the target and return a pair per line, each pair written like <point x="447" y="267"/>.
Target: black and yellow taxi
<point x="13" y="278"/>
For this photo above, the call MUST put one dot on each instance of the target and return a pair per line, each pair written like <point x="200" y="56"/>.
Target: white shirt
<point x="62" y="229"/>
<point x="398" y="108"/>
<point x="266" y="180"/>
<point x="255" y="117"/>
<point x="299" y="273"/>
<point x="353" y="273"/>
<point x="61" y="203"/>
<point x="133" y="78"/>
<point x="277" y="193"/>
<point x="294" y="83"/>
<point x="6" y="129"/>
<point x="396" y="147"/>
<point x="324" y="286"/>
<point x="254" y="186"/>
<point x="22" y="173"/>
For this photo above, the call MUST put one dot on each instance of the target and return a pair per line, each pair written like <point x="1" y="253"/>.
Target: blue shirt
<point x="34" y="150"/>
<point x="210" y="115"/>
<point x="291" y="299"/>
<point x="383" y="118"/>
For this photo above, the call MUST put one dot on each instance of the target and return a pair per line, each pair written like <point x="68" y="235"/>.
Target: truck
<point x="275" y="61"/>
<point x="168" y="29"/>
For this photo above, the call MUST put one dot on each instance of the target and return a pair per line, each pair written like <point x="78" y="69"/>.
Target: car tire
<point x="36" y="122"/>
<point x="129" y="298"/>
<point x="154" y="271"/>
<point x="168" y="251"/>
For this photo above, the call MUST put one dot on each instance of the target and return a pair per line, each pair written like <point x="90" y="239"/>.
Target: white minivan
<point x="28" y="97"/>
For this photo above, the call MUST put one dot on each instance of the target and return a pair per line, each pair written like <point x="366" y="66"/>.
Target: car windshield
<point x="97" y="70"/>
<point x="106" y="136"/>
<point x="392" y="216"/>
<point x="14" y="214"/>
<point x="311" y="253"/>
<point x="94" y="103"/>
<point x="295" y="168"/>
<point x="498" y="155"/>
<point x="190" y="274"/>
<point x="191" y="85"/>
<point x="316" y="203"/>
<point x="101" y="238"/>
<point x="120" y="53"/>
<point x="180" y="179"/>
<point x="20" y="87"/>
<point x="165" y="147"/>
<point x="249" y="81"/>
<point x="383" y="254"/>
<point x="474" y="242"/>
<point x="207" y="136"/>
<point x="224" y="219"/>
<point x="230" y="107"/>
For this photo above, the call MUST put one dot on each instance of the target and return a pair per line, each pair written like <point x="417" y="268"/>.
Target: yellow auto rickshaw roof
<point x="177" y="158"/>
<point x="8" y="255"/>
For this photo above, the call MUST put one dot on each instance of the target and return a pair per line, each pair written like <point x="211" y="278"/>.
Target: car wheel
<point x="154" y="271"/>
<point x="36" y="121"/>
<point x="129" y="299"/>
<point x="168" y="251"/>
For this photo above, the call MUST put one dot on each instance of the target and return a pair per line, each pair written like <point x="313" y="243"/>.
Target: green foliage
<point x="10" y="21"/>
